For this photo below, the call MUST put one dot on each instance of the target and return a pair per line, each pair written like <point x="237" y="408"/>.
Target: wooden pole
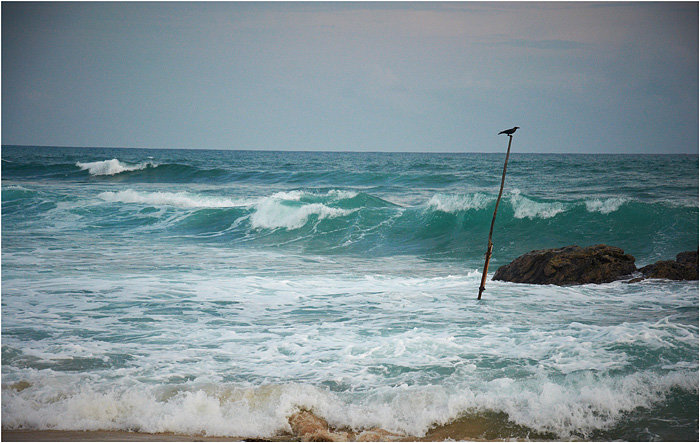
<point x="493" y="221"/>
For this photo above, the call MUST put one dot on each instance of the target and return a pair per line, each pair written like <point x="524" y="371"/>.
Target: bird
<point x="509" y="131"/>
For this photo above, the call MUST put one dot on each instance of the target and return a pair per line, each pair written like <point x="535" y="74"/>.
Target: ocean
<point x="218" y="292"/>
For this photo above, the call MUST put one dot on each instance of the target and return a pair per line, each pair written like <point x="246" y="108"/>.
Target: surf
<point x="338" y="221"/>
<point x="112" y="167"/>
<point x="239" y="291"/>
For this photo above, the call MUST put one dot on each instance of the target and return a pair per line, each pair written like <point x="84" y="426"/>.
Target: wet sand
<point x="306" y="426"/>
<point x="109" y="436"/>
<point x="29" y="435"/>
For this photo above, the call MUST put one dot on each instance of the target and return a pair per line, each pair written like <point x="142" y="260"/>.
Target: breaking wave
<point x="605" y="206"/>
<point x="217" y="293"/>
<point x="179" y="199"/>
<point x="525" y="208"/>
<point x="112" y="167"/>
<point x="336" y="220"/>
<point x="275" y="212"/>
<point x="452" y="203"/>
<point x="581" y="407"/>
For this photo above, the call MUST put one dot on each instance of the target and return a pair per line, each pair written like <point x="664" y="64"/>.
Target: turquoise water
<point x="218" y="291"/>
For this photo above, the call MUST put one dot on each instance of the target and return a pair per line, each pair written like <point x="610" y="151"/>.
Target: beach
<point x="103" y="436"/>
<point x="307" y="427"/>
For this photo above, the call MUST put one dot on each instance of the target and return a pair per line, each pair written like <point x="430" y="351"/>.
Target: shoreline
<point x="29" y="435"/>
<point x="305" y="426"/>
<point x="126" y="436"/>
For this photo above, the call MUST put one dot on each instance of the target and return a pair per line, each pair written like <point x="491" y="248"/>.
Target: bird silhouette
<point x="509" y="131"/>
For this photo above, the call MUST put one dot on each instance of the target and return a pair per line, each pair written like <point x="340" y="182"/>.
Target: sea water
<point x="217" y="292"/>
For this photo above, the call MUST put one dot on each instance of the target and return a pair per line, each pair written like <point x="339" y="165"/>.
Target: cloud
<point x="554" y="45"/>
<point x="294" y="75"/>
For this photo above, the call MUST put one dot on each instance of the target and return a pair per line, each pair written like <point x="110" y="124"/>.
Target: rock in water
<point x="309" y="427"/>
<point x="689" y="258"/>
<point x="684" y="268"/>
<point x="306" y="426"/>
<point x="570" y="265"/>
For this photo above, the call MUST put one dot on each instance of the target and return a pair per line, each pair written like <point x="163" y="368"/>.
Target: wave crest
<point x="113" y="167"/>
<point x="523" y="207"/>
<point x="453" y="203"/>
<point x="606" y="206"/>
<point x="573" y="409"/>
<point x="180" y="199"/>
<point x="281" y="210"/>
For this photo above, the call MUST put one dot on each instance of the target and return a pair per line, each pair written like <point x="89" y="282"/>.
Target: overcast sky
<point x="435" y="77"/>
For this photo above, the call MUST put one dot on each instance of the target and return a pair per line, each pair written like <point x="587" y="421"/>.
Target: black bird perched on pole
<point x="509" y="131"/>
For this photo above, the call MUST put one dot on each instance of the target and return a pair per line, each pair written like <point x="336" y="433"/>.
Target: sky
<point x="432" y="77"/>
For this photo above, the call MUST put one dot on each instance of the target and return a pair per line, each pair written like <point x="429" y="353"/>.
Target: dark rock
<point x="684" y="268"/>
<point x="688" y="258"/>
<point x="571" y="265"/>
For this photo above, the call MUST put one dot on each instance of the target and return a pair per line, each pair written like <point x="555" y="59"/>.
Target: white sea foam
<point x="577" y="406"/>
<point x="280" y="210"/>
<point x="453" y="203"/>
<point x="586" y="404"/>
<point x="236" y="339"/>
<point x="112" y="167"/>
<point x="297" y="195"/>
<point x="275" y="212"/>
<point x="15" y="188"/>
<point x="526" y="208"/>
<point x="565" y="383"/>
<point x="341" y="194"/>
<point x="179" y="199"/>
<point x="605" y="206"/>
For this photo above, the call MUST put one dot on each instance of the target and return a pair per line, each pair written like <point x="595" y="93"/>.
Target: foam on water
<point x="452" y="203"/>
<point x="277" y="211"/>
<point x="527" y="208"/>
<point x="605" y="206"/>
<point x="113" y="166"/>
<point x="341" y="194"/>
<point x="14" y="188"/>
<point x="523" y="207"/>
<point x="576" y="407"/>
<point x="359" y="349"/>
<point x="180" y="199"/>
<point x="297" y="195"/>
<point x="219" y="292"/>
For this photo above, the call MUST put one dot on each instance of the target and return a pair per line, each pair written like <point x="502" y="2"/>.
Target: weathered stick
<point x="493" y="221"/>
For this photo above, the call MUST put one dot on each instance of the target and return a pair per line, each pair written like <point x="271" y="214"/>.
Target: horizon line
<point x="345" y="151"/>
